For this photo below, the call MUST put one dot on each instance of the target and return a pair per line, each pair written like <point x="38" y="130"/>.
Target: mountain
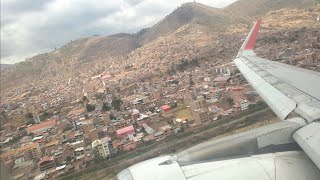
<point x="188" y="13"/>
<point x="5" y="66"/>
<point x="253" y="8"/>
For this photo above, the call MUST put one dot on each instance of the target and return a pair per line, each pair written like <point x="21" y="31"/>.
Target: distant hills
<point x="5" y="66"/>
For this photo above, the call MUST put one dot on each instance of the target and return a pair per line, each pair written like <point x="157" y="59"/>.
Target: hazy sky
<point x="30" y="27"/>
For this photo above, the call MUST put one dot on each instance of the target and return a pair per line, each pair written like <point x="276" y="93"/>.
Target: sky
<point x="30" y="27"/>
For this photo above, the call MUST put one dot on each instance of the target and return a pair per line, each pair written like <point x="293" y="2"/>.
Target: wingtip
<point x="253" y="36"/>
<point x="248" y="45"/>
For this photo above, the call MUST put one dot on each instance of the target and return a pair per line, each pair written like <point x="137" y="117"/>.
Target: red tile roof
<point x="42" y="125"/>
<point x="125" y="130"/>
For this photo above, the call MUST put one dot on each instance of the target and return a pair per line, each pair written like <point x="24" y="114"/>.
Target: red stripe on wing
<point x="253" y="36"/>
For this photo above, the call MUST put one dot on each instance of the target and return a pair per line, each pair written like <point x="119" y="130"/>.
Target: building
<point x="30" y="151"/>
<point x="244" y="105"/>
<point x="124" y="132"/>
<point x="51" y="147"/>
<point x="237" y="93"/>
<point x="42" y="127"/>
<point x="46" y="163"/>
<point x="8" y="156"/>
<point x="202" y="116"/>
<point x="226" y="69"/>
<point x="159" y="136"/>
<point x="222" y="80"/>
<point x="147" y="128"/>
<point x="101" y="147"/>
<point x="120" y="124"/>
<point x="167" y="130"/>
<point x="198" y="103"/>
<point x="165" y="108"/>
<point x="216" y="94"/>
<point x="251" y="96"/>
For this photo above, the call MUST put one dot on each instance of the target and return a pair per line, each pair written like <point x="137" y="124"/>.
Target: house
<point x="244" y="104"/>
<point x="51" y="147"/>
<point x="165" y="108"/>
<point x="101" y="147"/>
<point x="118" y="145"/>
<point x="147" y="128"/>
<point x="251" y="96"/>
<point x="222" y="80"/>
<point x="159" y="136"/>
<point x="226" y="69"/>
<point x="31" y="151"/>
<point x="42" y="127"/>
<point x="167" y="130"/>
<point x="237" y="93"/>
<point x="8" y="156"/>
<point x="124" y="132"/>
<point x="202" y="116"/>
<point x="46" y="163"/>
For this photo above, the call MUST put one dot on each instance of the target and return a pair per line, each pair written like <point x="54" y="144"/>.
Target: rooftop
<point x="42" y="125"/>
<point x="125" y="130"/>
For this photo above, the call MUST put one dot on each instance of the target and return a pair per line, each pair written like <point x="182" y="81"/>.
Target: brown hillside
<point x="260" y="7"/>
<point x="188" y="13"/>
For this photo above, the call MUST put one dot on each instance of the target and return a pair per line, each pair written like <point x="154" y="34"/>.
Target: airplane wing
<point x="271" y="152"/>
<point x="288" y="90"/>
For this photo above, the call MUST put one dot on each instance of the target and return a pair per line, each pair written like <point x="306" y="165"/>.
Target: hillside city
<point x="68" y="124"/>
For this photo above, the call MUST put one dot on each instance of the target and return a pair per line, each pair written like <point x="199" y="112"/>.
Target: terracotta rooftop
<point x="52" y="143"/>
<point x="42" y="125"/>
<point x="45" y="158"/>
<point x="125" y="129"/>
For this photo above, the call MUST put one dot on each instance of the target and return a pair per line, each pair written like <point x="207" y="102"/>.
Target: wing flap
<point x="308" y="139"/>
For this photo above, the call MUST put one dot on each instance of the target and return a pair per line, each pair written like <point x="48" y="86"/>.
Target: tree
<point x="152" y="109"/>
<point x="105" y="107"/>
<point x="90" y="107"/>
<point x="191" y="82"/>
<point x="30" y="121"/>
<point x="31" y="134"/>
<point x="173" y="105"/>
<point x="116" y="103"/>
<point x="230" y="101"/>
<point x="29" y="115"/>
<point x="112" y="116"/>
<point x="3" y="115"/>
<point x="84" y="100"/>
<point x="67" y="128"/>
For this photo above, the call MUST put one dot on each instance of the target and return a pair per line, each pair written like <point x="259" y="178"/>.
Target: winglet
<point x="248" y="45"/>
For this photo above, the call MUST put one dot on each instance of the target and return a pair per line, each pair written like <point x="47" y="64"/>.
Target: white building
<point x="244" y="104"/>
<point x="101" y="147"/>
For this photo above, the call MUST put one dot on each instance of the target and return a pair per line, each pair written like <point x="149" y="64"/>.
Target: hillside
<point x="254" y="8"/>
<point x="195" y="13"/>
<point x="191" y="31"/>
